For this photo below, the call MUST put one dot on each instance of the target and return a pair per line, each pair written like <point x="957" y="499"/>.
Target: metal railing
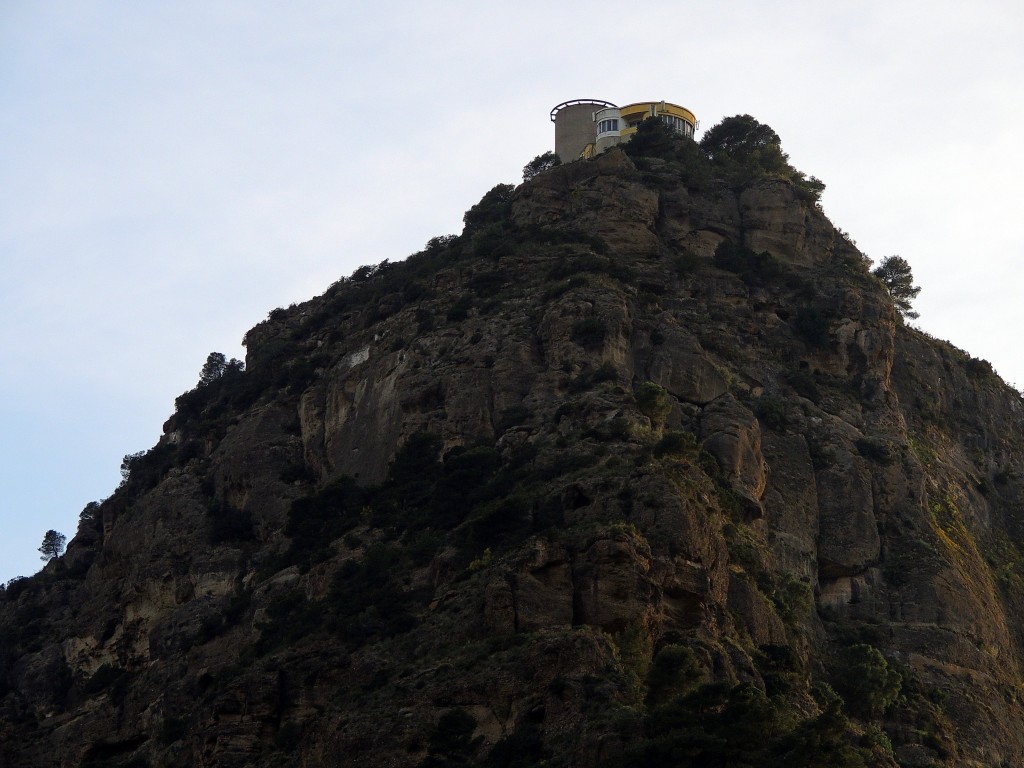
<point x="574" y="102"/>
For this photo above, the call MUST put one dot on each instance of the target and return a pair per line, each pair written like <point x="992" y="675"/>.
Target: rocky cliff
<point x="641" y="469"/>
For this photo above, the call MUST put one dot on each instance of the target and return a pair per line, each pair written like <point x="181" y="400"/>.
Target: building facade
<point x="586" y="127"/>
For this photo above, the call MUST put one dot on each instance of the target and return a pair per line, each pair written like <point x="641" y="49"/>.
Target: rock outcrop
<point x="433" y="522"/>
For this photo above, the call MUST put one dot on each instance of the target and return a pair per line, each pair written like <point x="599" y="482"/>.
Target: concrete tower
<point x="574" y="127"/>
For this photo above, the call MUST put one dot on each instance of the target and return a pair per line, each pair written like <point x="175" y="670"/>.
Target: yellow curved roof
<point x="642" y="109"/>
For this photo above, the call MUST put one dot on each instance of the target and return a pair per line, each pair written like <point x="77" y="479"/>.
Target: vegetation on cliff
<point x="895" y="273"/>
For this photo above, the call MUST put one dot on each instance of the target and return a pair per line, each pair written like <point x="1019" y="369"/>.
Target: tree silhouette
<point x="539" y="164"/>
<point x="216" y="366"/>
<point x="52" y="546"/>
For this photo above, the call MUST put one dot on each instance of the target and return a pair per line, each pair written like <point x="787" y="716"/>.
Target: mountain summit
<point x="641" y="469"/>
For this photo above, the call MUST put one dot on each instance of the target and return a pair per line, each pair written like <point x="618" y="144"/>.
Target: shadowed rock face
<point x="433" y="491"/>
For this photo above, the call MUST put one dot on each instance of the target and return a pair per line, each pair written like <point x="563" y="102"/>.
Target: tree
<point x="746" y="150"/>
<point x="128" y="463"/>
<point x="895" y="272"/>
<point x="653" y="138"/>
<point x="216" y="366"/>
<point x="88" y="520"/>
<point x="493" y="208"/>
<point x="89" y="511"/>
<point x="539" y="164"/>
<point x="865" y="680"/>
<point x="52" y="546"/>
<point x="439" y="243"/>
<point x="742" y="138"/>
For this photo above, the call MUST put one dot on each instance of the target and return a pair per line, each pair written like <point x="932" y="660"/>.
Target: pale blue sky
<point x="170" y="172"/>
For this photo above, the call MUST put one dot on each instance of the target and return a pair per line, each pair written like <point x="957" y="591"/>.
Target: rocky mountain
<point x="642" y="468"/>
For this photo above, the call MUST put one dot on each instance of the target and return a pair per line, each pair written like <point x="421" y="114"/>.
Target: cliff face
<point x="641" y="465"/>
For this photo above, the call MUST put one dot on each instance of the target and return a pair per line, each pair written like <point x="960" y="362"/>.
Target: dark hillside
<point x="641" y="469"/>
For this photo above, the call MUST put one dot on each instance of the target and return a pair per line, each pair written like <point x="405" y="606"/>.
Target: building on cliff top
<point x="587" y="127"/>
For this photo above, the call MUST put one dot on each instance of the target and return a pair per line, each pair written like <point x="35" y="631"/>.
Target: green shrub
<point x="980" y="369"/>
<point x="823" y="741"/>
<point x="634" y="647"/>
<point x="772" y="411"/>
<point x="467" y="480"/>
<point x="364" y="600"/>
<point x="745" y="150"/>
<point x="865" y="680"/>
<point x="674" y="671"/>
<point x="653" y="138"/>
<point x="874" y="736"/>
<point x="792" y="597"/>
<point x="315" y="521"/>
<point x="540" y="164"/>
<point x="714" y="725"/>
<point x="494" y="207"/>
<point x="780" y="668"/>
<point x="419" y="457"/>
<point x="143" y="470"/>
<point x="441" y="243"/>
<point x="654" y="403"/>
<point x="684" y="158"/>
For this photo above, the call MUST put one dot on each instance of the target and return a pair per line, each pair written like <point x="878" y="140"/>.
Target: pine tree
<point x="895" y="272"/>
<point x="52" y="546"/>
<point x="214" y="368"/>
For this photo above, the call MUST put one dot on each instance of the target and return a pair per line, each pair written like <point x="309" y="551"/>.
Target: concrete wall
<point x="574" y="129"/>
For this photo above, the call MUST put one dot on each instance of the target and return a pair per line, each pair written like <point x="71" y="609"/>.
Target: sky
<point x="171" y="172"/>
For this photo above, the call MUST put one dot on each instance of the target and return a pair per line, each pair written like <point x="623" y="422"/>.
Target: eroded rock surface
<point x="433" y="501"/>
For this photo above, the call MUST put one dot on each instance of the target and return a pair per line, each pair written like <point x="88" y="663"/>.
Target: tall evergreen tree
<point x="52" y="546"/>
<point x="895" y="272"/>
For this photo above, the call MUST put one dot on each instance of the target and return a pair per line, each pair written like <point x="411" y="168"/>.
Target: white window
<point x="607" y="126"/>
